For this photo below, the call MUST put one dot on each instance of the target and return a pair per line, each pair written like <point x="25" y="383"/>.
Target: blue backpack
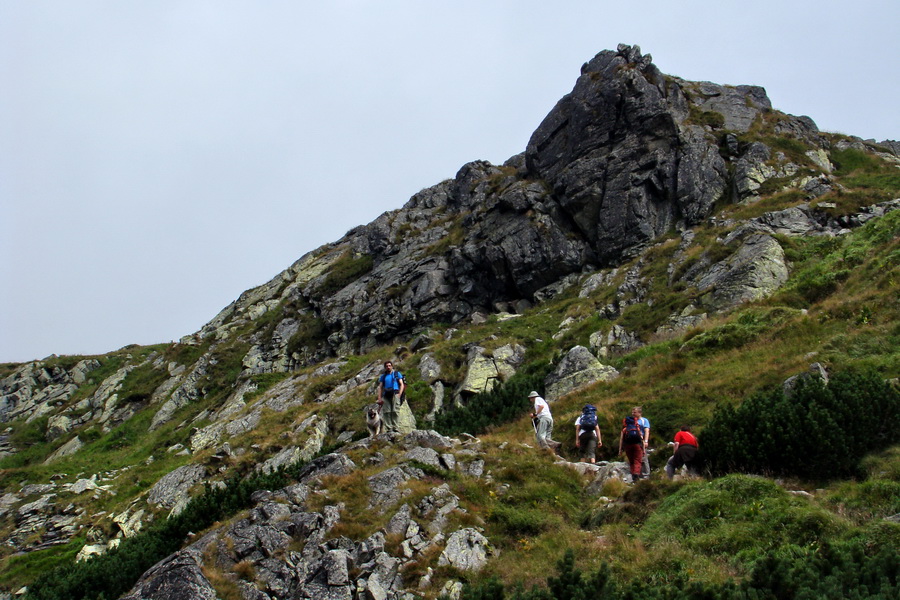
<point x="588" y="418"/>
<point x="634" y="431"/>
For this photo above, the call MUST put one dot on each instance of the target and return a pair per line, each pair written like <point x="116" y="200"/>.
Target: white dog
<point x="373" y="420"/>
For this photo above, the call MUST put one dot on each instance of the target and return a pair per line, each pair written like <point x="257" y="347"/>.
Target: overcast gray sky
<point x="157" y="158"/>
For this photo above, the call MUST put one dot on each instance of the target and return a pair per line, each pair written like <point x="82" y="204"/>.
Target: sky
<point x="158" y="158"/>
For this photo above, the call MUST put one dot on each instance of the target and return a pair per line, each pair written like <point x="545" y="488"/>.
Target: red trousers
<point x="635" y="454"/>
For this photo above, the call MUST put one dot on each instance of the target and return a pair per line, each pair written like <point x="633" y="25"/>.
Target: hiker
<point x="587" y="434"/>
<point x="543" y="422"/>
<point x="631" y="440"/>
<point x="645" y="462"/>
<point x="686" y="447"/>
<point x="390" y="393"/>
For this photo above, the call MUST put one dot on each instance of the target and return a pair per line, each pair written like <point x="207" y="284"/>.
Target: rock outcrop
<point x="579" y="368"/>
<point x="284" y="549"/>
<point x="628" y="155"/>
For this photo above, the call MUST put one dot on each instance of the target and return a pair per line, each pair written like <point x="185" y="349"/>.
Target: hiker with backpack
<point x="543" y="422"/>
<point x="631" y="440"/>
<point x="685" y="454"/>
<point x="587" y="433"/>
<point x="391" y="390"/>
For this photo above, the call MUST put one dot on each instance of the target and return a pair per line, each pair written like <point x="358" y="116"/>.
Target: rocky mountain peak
<point x="627" y="156"/>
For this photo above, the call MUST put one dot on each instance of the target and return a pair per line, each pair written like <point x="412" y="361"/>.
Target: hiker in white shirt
<point x="543" y="422"/>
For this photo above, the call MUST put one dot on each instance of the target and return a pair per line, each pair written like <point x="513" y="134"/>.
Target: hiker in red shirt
<point x="686" y="446"/>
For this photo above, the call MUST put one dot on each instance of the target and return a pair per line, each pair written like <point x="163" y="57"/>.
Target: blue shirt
<point x="391" y="381"/>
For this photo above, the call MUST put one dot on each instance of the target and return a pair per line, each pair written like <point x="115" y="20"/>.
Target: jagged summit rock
<point x="626" y="156"/>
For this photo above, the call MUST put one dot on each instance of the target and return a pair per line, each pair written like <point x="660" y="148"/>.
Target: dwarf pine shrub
<point x="819" y="432"/>
<point x="829" y="572"/>
<point x="503" y="404"/>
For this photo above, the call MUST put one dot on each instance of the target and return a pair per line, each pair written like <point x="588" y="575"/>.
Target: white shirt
<point x="538" y="401"/>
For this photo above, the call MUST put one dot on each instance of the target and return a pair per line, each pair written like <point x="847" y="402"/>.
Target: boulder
<point x="437" y="401"/>
<point x="385" y="486"/>
<point x="330" y="464"/>
<point x="67" y="449"/>
<point x="437" y="506"/>
<point x="429" y="368"/>
<point x="172" y="489"/>
<point x="616" y="342"/>
<point x="406" y="420"/>
<point x="178" y="577"/>
<point x="816" y="372"/>
<point x="90" y="550"/>
<point x="426" y="439"/>
<point x="578" y="369"/>
<point x="679" y="323"/>
<point x="426" y="456"/>
<point x="481" y="374"/>
<point x="607" y="471"/>
<point x="400" y="522"/>
<point x="754" y="271"/>
<point x="466" y="550"/>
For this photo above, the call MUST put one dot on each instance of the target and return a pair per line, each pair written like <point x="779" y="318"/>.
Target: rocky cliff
<point x="630" y="154"/>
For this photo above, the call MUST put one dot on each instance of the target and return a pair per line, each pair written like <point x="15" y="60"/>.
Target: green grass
<point x="20" y="570"/>
<point x="708" y="118"/>
<point x="347" y="268"/>
<point x="740" y="519"/>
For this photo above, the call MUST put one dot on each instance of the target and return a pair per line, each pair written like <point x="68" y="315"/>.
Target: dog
<point x="373" y="420"/>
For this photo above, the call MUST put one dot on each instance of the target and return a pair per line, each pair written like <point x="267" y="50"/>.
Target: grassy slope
<point x="839" y="307"/>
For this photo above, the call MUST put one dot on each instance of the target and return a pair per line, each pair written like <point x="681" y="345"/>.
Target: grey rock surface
<point x="467" y="550"/>
<point x="173" y="487"/>
<point x="816" y="372"/>
<point x="594" y="149"/>
<point x="178" y="577"/>
<point x="755" y="270"/>
<point x="579" y="368"/>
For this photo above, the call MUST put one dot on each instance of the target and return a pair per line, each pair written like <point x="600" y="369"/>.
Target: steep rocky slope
<point x="645" y="215"/>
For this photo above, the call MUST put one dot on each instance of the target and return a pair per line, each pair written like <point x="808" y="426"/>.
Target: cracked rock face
<point x="172" y="489"/>
<point x="178" y="577"/>
<point x="467" y="550"/>
<point x="618" y="162"/>
<point x="754" y="271"/>
<point x="615" y="155"/>
<point x="579" y="368"/>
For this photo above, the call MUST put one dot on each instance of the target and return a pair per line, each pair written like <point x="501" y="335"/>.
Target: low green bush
<point x="505" y="403"/>
<point x="831" y="572"/>
<point x="748" y="325"/>
<point x="739" y="518"/>
<point x="517" y="521"/>
<point x="821" y="431"/>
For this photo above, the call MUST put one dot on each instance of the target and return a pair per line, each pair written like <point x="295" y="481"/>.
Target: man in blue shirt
<point x="390" y="390"/>
<point x="645" y="462"/>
